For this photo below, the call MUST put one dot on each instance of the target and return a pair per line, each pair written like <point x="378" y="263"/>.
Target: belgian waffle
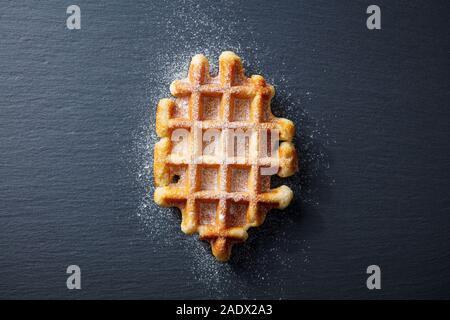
<point x="222" y="194"/>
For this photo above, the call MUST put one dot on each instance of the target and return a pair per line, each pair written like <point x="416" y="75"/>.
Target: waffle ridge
<point x="221" y="197"/>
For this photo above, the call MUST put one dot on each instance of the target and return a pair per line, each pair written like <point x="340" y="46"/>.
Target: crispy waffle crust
<point x="220" y="197"/>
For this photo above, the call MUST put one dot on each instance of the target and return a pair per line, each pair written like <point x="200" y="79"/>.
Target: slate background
<point x="375" y="189"/>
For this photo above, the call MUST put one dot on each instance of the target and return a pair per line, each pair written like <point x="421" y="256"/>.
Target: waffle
<point x="221" y="194"/>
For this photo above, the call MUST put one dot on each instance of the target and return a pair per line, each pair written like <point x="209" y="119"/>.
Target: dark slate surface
<point x="372" y="110"/>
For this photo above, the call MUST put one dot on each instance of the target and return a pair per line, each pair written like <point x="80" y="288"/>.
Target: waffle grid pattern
<point x="220" y="197"/>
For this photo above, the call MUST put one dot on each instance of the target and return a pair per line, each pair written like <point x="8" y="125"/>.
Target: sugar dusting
<point x="270" y="247"/>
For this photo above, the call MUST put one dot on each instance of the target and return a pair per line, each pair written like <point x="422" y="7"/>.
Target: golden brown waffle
<point x="221" y="195"/>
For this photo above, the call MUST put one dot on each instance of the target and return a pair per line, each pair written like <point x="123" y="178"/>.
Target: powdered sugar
<point x="196" y="31"/>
